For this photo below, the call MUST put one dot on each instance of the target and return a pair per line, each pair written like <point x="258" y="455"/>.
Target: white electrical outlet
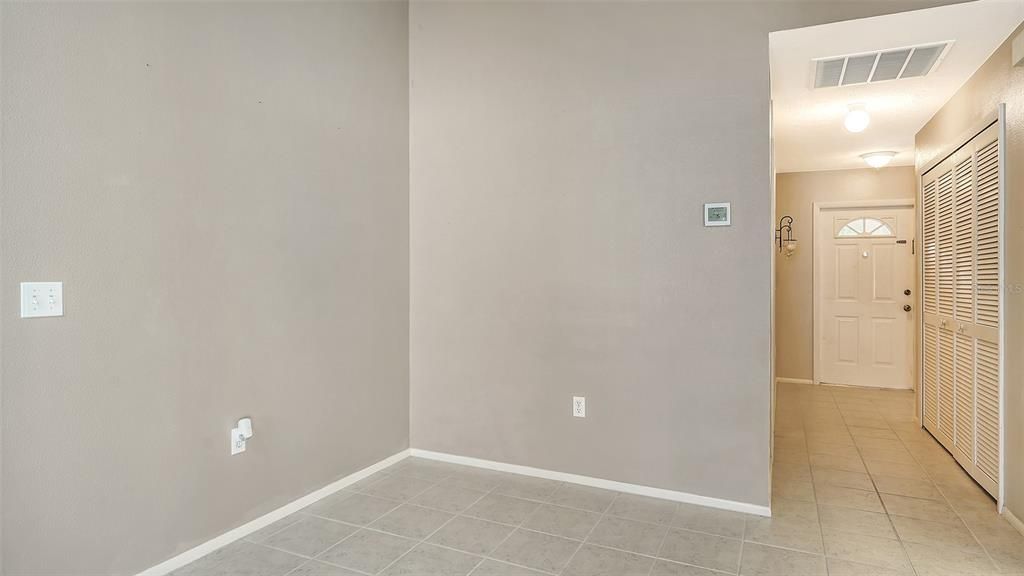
<point x="237" y="441"/>
<point x="579" y="406"/>
<point x="40" y="299"/>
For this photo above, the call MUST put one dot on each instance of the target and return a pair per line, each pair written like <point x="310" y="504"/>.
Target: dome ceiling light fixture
<point x="878" y="159"/>
<point x="857" y="118"/>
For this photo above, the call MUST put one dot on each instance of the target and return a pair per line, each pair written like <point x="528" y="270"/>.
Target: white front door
<point x="865" y="272"/>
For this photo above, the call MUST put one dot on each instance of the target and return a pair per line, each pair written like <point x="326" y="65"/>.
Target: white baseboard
<point x="1013" y="520"/>
<point x="269" y="518"/>
<point x="781" y="380"/>
<point x="598" y="483"/>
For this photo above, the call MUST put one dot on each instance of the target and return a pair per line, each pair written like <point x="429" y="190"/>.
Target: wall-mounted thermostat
<point x="717" y="214"/>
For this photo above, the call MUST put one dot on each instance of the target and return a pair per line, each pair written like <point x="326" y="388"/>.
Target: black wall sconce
<point x="784" y="236"/>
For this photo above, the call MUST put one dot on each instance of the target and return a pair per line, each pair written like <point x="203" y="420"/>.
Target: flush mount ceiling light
<point x="878" y="159"/>
<point x="857" y="118"/>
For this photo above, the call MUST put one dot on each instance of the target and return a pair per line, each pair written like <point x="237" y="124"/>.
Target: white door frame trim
<point x="816" y="211"/>
<point x="1001" y="498"/>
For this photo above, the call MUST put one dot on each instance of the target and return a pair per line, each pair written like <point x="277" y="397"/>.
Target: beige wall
<point x="795" y="195"/>
<point x="223" y="189"/>
<point x="997" y="81"/>
<point x="561" y="153"/>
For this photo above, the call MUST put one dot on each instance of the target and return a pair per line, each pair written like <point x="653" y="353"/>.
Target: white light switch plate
<point x="39" y="299"/>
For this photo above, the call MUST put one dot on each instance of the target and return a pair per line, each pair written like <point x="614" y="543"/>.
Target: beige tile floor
<point x="859" y="490"/>
<point x="857" y="480"/>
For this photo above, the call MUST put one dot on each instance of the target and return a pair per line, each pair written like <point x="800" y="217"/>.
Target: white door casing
<point x="863" y="264"/>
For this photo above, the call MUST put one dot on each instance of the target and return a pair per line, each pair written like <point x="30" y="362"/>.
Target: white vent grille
<point x="878" y="66"/>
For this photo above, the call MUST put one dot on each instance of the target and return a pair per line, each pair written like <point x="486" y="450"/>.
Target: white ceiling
<point x="808" y="123"/>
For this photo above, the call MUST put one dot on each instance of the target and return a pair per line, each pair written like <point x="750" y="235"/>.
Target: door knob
<point x="906" y="307"/>
<point x="906" y="292"/>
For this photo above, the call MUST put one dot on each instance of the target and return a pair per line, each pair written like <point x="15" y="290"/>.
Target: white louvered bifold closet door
<point x="961" y="302"/>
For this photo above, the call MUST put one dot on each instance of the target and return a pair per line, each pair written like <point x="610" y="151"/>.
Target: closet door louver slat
<point x="963" y="440"/>
<point x="931" y="375"/>
<point x="987" y="257"/>
<point x="946" y="394"/>
<point x="987" y="368"/>
<point x="945" y="244"/>
<point x="964" y="239"/>
<point x="929" y="253"/>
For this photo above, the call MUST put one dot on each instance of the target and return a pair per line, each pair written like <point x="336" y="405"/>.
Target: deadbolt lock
<point x="906" y="307"/>
<point x="906" y="292"/>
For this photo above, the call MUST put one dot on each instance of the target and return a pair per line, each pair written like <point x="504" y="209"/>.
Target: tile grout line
<point x="438" y="529"/>
<point x="930" y="478"/>
<point x="462" y="514"/>
<point x="661" y="545"/>
<point x="945" y="498"/>
<point x="522" y="527"/>
<point x="496" y="490"/>
<point x="589" y="533"/>
<point x="874" y="485"/>
<point x="814" y="488"/>
<point x="365" y="527"/>
<point x="359" y="528"/>
<point x="513" y="531"/>
<point x="315" y="557"/>
<point x="892" y="523"/>
<point x="743" y="543"/>
<point x="875" y="409"/>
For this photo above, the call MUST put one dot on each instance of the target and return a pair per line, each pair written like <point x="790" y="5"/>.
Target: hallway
<point x="857" y="479"/>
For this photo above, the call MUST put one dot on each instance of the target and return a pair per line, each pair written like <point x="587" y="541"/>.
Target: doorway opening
<point x="890" y="415"/>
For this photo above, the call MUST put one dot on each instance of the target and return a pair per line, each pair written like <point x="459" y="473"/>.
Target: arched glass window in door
<point x="865" y="227"/>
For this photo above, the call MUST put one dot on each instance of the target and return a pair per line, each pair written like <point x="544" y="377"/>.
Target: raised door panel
<point x="883" y="284"/>
<point x="847" y="279"/>
<point x="847" y="339"/>
<point x="883" y="341"/>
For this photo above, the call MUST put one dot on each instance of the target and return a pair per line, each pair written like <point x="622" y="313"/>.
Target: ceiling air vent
<point x="878" y="66"/>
